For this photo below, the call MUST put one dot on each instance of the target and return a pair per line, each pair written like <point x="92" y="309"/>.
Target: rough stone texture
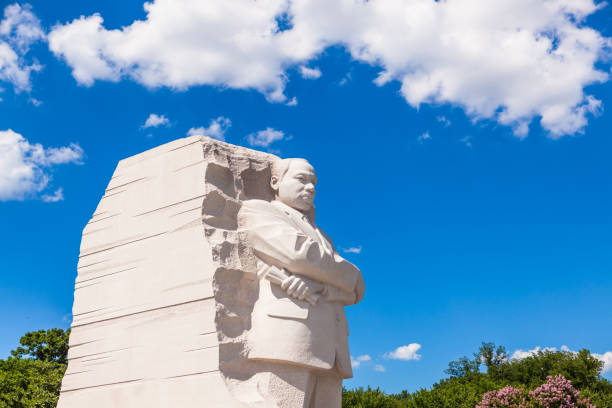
<point x="161" y="301"/>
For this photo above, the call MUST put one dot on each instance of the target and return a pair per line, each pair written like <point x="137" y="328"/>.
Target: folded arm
<point x="276" y="242"/>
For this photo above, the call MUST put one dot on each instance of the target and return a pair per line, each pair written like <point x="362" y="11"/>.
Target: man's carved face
<point x="297" y="186"/>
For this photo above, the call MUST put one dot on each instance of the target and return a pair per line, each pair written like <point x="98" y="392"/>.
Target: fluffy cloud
<point x="352" y="250"/>
<point x="356" y="362"/>
<point x="183" y="43"/>
<point x="409" y="352"/>
<point x="25" y="167"/>
<point x="20" y="26"/>
<point x="467" y="141"/>
<point x="443" y="120"/>
<point x="423" y="137"/>
<point x="310" y="73"/>
<point x="520" y="354"/>
<point x="265" y="138"/>
<point x="19" y="29"/>
<point x="216" y="129"/>
<point x="58" y="195"/>
<point x="35" y="102"/>
<point x="508" y="60"/>
<point x="607" y="360"/>
<point x="155" y="120"/>
<point x="380" y="368"/>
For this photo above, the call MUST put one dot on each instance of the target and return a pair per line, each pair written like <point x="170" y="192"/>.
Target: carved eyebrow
<point x="310" y="175"/>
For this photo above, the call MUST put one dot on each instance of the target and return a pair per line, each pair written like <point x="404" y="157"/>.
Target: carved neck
<point x="308" y="215"/>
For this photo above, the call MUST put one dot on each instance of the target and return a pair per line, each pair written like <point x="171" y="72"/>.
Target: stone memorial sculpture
<point x="203" y="281"/>
<point x="298" y="322"/>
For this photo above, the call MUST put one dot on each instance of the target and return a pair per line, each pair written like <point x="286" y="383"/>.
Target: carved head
<point x="293" y="182"/>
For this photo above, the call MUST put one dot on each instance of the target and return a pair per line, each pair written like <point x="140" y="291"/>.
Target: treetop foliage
<point x="490" y="369"/>
<point x="44" y="345"/>
<point x="31" y="377"/>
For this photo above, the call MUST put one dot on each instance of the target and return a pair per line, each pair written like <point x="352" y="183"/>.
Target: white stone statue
<point x="298" y="326"/>
<point x="204" y="282"/>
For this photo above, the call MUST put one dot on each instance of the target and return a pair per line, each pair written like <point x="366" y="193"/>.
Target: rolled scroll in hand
<point x="278" y="276"/>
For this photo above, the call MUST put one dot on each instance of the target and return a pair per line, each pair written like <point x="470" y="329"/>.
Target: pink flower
<point x="507" y="397"/>
<point x="556" y="392"/>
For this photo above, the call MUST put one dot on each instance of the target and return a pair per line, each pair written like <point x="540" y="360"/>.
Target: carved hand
<point x="300" y="288"/>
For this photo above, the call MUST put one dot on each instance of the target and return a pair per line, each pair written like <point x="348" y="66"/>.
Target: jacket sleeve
<point x="277" y="242"/>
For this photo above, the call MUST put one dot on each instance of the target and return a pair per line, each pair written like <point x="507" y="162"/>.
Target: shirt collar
<point x="291" y="211"/>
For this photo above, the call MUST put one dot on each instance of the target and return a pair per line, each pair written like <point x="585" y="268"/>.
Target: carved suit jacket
<point x="285" y="329"/>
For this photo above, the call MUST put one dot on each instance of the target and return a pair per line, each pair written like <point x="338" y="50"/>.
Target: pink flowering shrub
<point x="556" y="392"/>
<point x="507" y="397"/>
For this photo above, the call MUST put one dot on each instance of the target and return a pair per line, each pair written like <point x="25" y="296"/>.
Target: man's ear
<point x="274" y="183"/>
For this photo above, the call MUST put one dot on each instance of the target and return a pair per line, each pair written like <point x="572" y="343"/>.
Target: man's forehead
<point x="301" y="166"/>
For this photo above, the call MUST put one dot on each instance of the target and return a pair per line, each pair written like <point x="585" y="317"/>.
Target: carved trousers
<point x="291" y="386"/>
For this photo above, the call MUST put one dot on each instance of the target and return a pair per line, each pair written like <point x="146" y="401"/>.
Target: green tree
<point x="369" y="398"/>
<point x="581" y="368"/>
<point x="450" y="393"/>
<point x="32" y="376"/>
<point x="44" y="345"/>
<point x="490" y="369"/>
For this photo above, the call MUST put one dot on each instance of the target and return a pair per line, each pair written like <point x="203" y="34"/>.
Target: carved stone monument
<point x="203" y="281"/>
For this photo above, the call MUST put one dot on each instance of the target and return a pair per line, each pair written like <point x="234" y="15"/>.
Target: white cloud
<point x="423" y="137"/>
<point x="292" y="102"/>
<point x="520" y="354"/>
<point x="606" y="358"/>
<point x="58" y="155"/>
<point x="184" y="43"/>
<point x="466" y="140"/>
<point x="20" y="26"/>
<point x="365" y="357"/>
<point x="345" y="79"/>
<point x="356" y="362"/>
<point x="409" y="352"/>
<point x="216" y="129"/>
<point x="266" y="137"/>
<point x="58" y="195"/>
<point x="310" y="73"/>
<point x="155" y="120"/>
<point x="198" y="131"/>
<point x="25" y="167"/>
<point x="509" y="60"/>
<point x="353" y="250"/>
<point x="380" y="368"/>
<point x="19" y="29"/>
<point x="443" y="120"/>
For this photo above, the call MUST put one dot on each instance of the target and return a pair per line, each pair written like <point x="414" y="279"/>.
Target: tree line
<point x="489" y="379"/>
<point x="31" y="378"/>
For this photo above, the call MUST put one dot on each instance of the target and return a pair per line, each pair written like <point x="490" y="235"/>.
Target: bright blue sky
<point x="483" y="230"/>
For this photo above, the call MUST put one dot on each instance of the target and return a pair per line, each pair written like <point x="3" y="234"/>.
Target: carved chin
<point x="308" y="200"/>
<point x="305" y="204"/>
